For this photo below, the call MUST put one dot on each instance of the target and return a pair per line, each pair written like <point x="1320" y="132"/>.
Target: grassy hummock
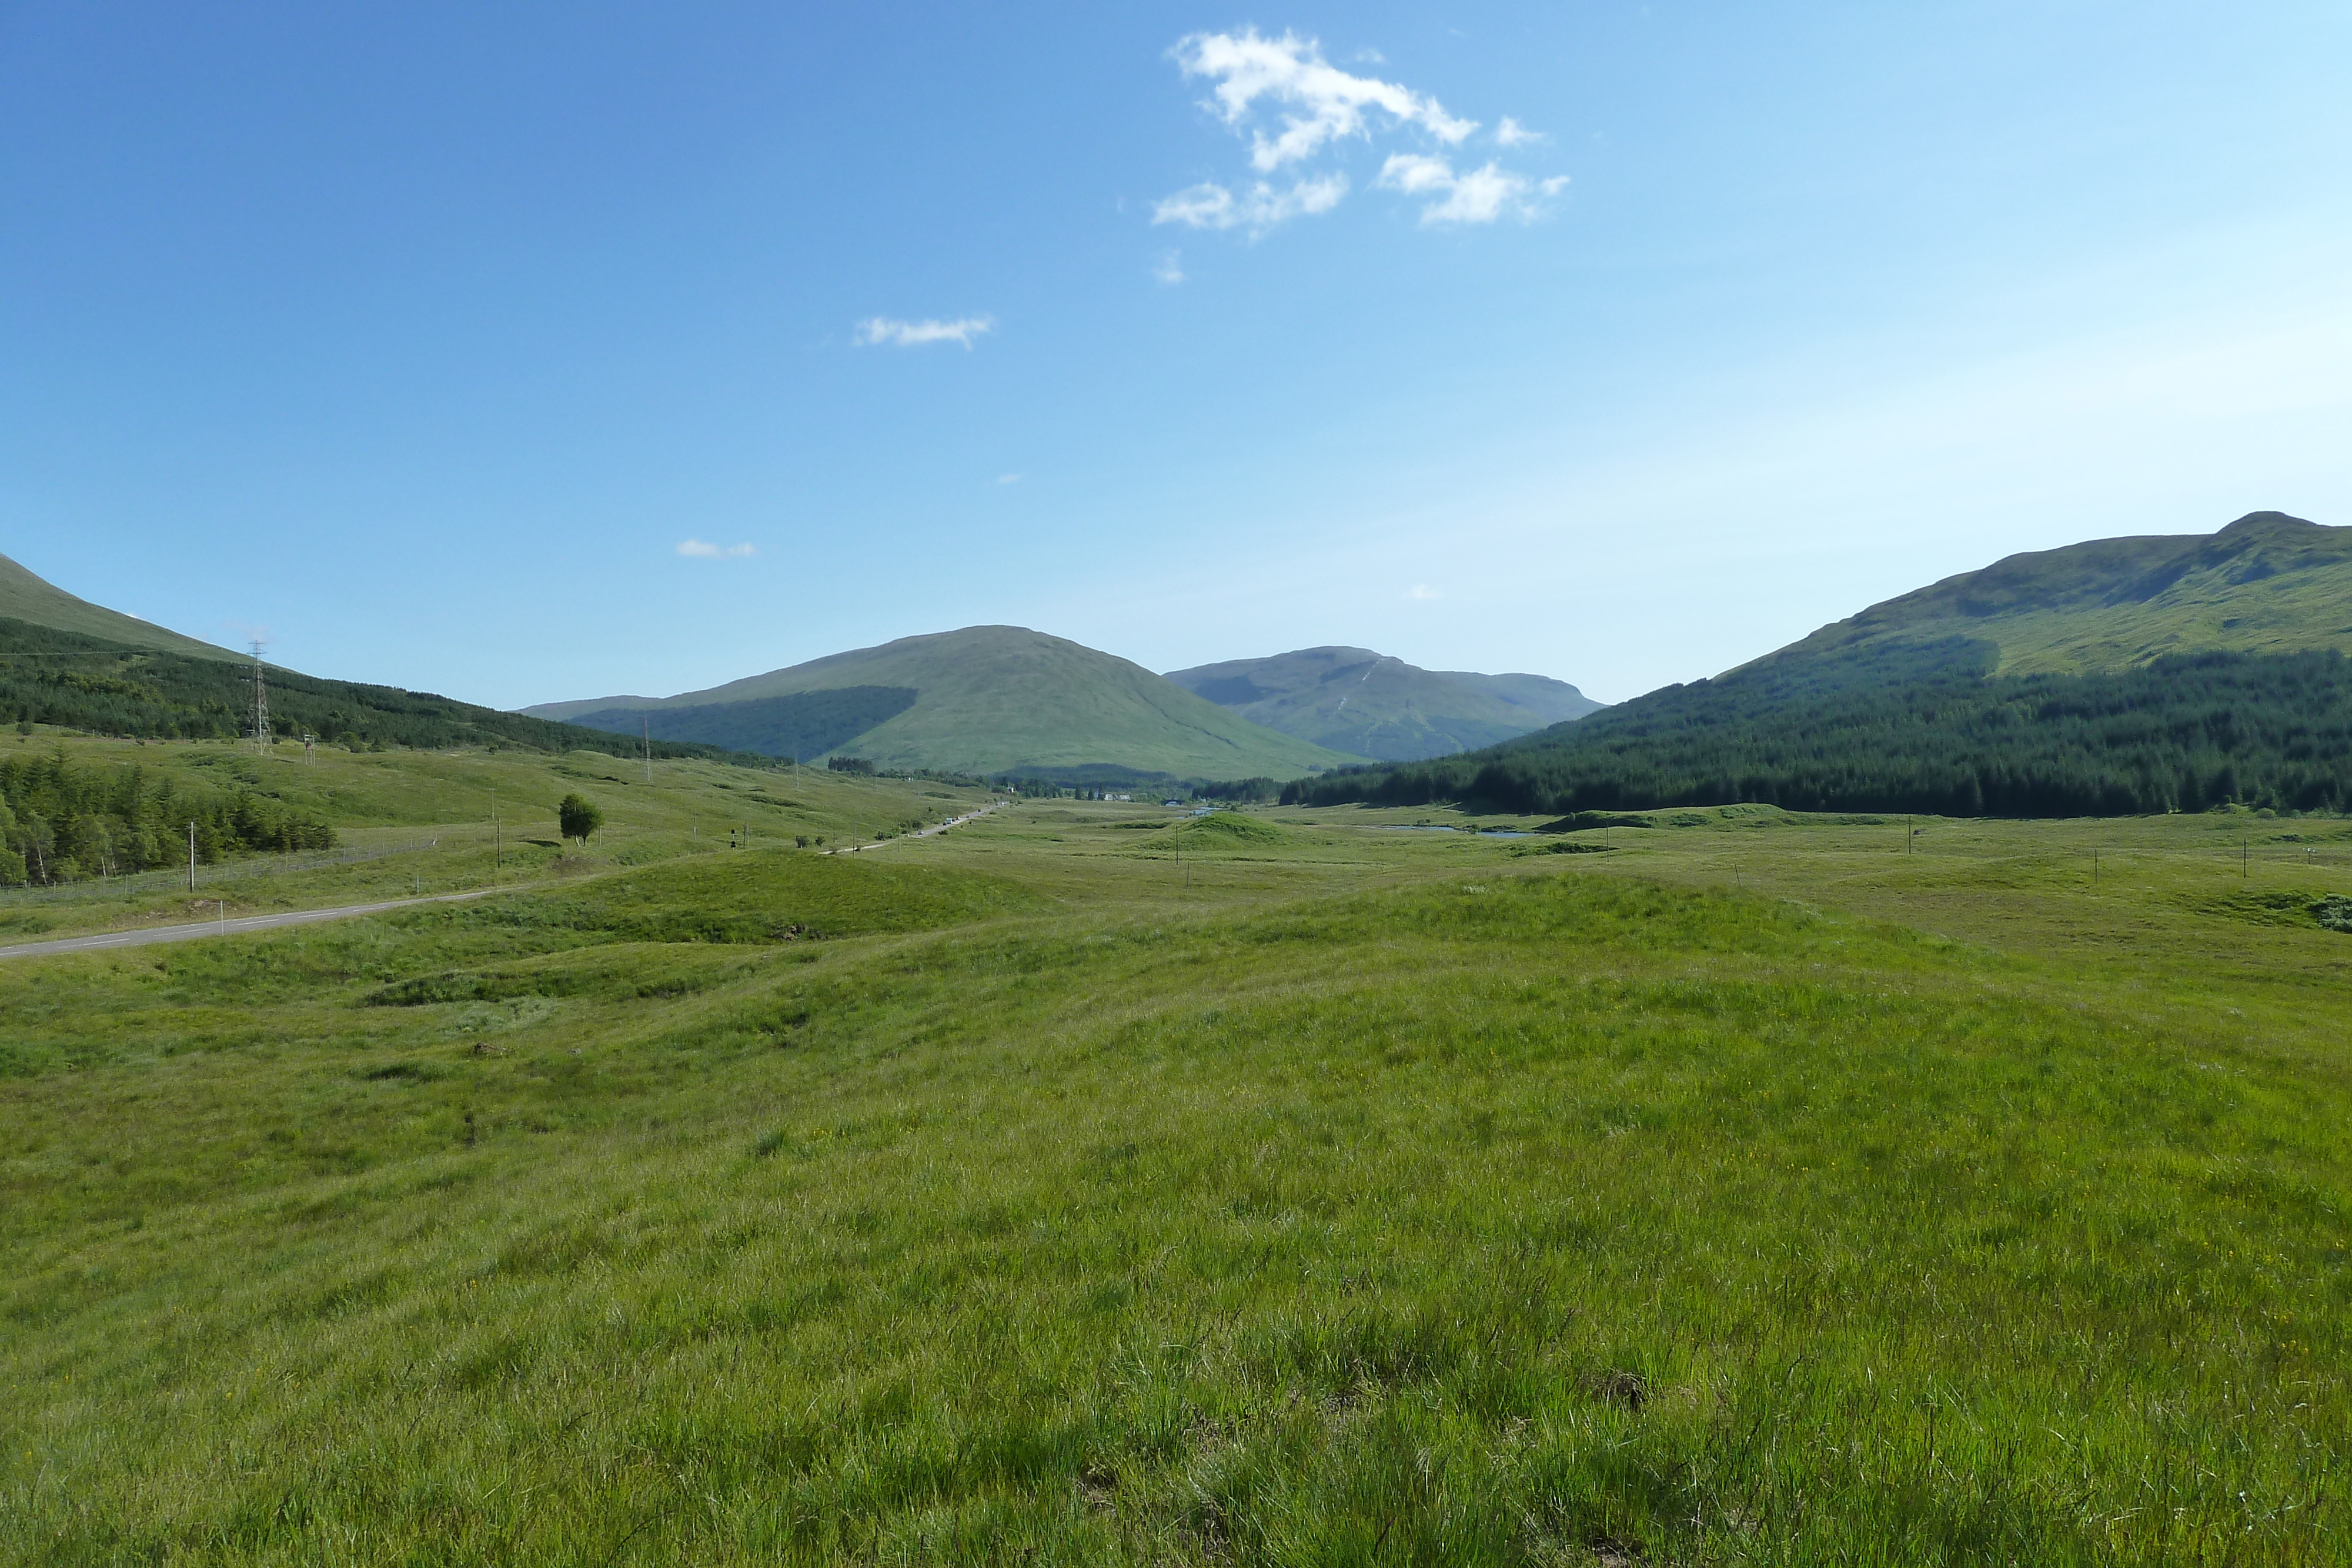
<point x="1772" y="1189"/>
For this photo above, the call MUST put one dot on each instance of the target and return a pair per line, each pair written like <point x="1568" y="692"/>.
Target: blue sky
<point x="423" y="337"/>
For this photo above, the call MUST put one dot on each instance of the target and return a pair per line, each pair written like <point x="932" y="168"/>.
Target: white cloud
<point x="1423" y="590"/>
<point x="701" y="550"/>
<point x="1476" y="196"/>
<point x="1414" y="175"/>
<point x="1321" y="101"/>
<point x="1170" y="267"/>
<point x="1307" y="106"/>
<point x="1211" y="206"/>
<point x="913" y="334"/>
<point x="1008" y="478"/>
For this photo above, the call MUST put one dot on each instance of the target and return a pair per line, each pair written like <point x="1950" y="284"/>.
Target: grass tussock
<point x="1517" y="1213"/>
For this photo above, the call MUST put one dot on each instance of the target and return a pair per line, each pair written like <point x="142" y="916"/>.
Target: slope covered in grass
<point x="1495" y="1218"/>
<point x="70" y="681"/>
<point x="1917" y="727"/>
<point x="418" y="822"/>
<point x="992" y="700"/>
<point x="796" y="724"/>
<point x="2114" y="678"/>
<point x="33" y="600"/>
<point x="1354" y="700"/>
<point x="2267" y="584"/>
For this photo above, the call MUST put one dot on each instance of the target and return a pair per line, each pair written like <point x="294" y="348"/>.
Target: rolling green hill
<point x="986" y="700"/>
<point x="2267" y="583"/>
<point x="38" y="602"/>
<point x="74" y="682"/>
<point x="2109" y="678"/>
<point x="78" y="666"/>
<point x="1546" y="700"/>
<point x="1352" y="699"/>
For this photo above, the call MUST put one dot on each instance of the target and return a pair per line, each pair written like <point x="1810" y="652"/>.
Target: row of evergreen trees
<point x="61" y="822"/>
<point x="60" y="678"/>
<point x="1923" y="729"/>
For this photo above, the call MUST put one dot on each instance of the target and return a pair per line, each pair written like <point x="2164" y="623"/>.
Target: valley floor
<point x="1736" y="1189"/>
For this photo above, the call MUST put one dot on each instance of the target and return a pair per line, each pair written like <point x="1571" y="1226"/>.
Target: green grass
<point x="402" y="798"/>
<point x="2267" y="584"/>
<point x="27" y="598"/>
<point x="1752" y="1193"/>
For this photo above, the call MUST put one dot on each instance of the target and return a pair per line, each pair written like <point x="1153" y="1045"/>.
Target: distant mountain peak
<point x="1375" y="705"/>
<point x="2268" y="583"/>
<point x="978" y="699"/>
<point x="2259" y="522"/>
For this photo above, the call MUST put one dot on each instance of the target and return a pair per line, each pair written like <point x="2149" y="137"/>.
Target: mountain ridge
<point x="989" y="700"/>
<point x="2266" y="582"/>
<point x="2117" y="677"/>
<point x="148" y="682"/>
<point x="33" y="599"/>
<point x="1376" y="706"/>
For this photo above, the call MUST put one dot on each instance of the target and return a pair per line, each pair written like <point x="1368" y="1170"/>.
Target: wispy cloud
<point x="1170" y="267"/>
<point x="1312" y="107"/>
<point x="1257" y="209"/>
<point x="1511" y="133"/>
<point x="1476" y="196"/>
<point x="700" y="550"/>
<point x="1008" y="478"/>
<point x="900" y="334"/>
<point x="1320" y="100"/>
<point x="1423" y="590"/>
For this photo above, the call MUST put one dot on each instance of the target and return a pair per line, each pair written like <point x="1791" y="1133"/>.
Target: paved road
<point x="146" y="934"/>
<point x="920" y="832"/>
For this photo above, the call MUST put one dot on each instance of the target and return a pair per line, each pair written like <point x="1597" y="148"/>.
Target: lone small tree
<point x="578" y="817"/>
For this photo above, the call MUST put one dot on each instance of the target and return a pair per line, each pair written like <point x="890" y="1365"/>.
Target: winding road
<point x="920" y="833"/>
<point x="146" y="934"/>
<point x="106" y="940"/>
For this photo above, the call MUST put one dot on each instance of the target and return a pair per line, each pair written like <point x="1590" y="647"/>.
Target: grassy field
<point x="425" y="822"/>
<point x="1743" y="1189"/>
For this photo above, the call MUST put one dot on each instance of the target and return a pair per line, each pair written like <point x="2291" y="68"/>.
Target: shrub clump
<point x="2335" y="912"/>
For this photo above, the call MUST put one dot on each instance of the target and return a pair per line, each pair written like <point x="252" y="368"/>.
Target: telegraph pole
<point x="649" y="726"/>
<point x="192" y="857"/>
<point x="260" y="703"/>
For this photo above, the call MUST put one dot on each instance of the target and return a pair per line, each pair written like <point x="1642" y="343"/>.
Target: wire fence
<point x="135" y="882"/>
